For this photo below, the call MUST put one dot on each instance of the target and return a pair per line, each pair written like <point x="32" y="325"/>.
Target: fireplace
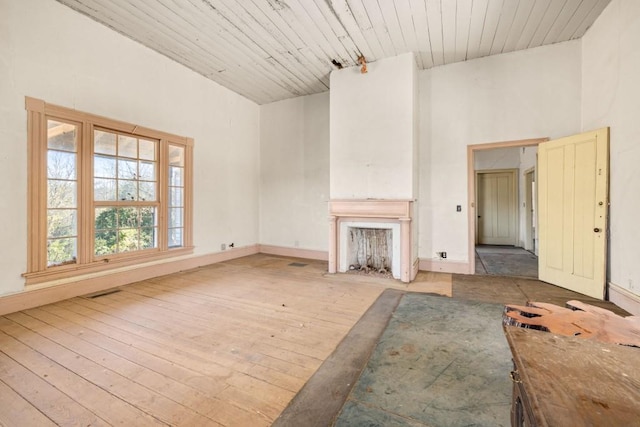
<point x="370" y="247"/>
<point x="373" y="233"/>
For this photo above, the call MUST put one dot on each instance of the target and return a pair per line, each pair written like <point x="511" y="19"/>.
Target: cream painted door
<point x="572" y="206"/>
<point x="497" y="207"/>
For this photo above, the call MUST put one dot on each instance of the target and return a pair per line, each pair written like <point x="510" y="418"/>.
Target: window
<point x="103" y="193"/>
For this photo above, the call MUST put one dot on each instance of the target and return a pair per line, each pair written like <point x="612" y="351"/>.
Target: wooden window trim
<point x="37" y="270"/>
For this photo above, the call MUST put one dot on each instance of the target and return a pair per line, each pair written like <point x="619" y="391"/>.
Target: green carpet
<point x="440" y="362"/>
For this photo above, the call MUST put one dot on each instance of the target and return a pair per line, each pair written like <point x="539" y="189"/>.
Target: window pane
<point x="61" y="251"/>
<point x="106" y="242"/>
<point x="104" y="167"/>
<point x="106" y="218"/>
<point x="175" y="176"/>
<point x="61" y="136"/>
<point x="61" y="194"/>
<point x="104" y="142"/>
<point x="148" y="238"/>
<point x="147" y="171"/>
<point x="175" y="196"/>
<point x="128" y="218"/>
<point x="176" y="155"/>
<point x="106" y="234"/>
<point x="175" y="217"/>
<point x="127" y="190"/>
<point x="127" y="169"/>
<point x="147" y="149"/>
<point x="148" y="217"/>
<point x="62" y="222"/>
<point x="104" y="189"/>
<point x="147" y="191"/>
<point x="175" y="237"/>
<point x="127" y="146"/>
<point x="128" y="240"/>
<point x="61" y="164"/>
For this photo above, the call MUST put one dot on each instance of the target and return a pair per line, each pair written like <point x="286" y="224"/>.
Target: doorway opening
<point x="498" y="260"/>
<point x="502" y="216"/>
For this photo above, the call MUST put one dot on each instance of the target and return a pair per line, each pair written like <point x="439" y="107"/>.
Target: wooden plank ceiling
<point x="268" y="50"/>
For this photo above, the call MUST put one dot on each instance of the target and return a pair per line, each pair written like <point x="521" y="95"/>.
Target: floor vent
<point x="298" y="264"/>
<point x="101" y="294"/>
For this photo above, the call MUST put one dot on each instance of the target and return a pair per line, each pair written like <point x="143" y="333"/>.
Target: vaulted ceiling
<point x="268" y="50"/>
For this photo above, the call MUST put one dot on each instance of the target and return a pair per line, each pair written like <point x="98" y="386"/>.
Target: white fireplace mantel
<point x="373" y="210"/>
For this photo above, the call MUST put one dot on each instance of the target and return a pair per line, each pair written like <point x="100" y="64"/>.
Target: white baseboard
<point x="294" y="252"/>
<point x="625" y="299"/>
<point x="42" y="294"/>
<point x="444" y="266"/>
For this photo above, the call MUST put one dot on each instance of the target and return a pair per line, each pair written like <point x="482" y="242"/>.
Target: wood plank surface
<point x="19" y="411"/>
<point x="579" y="320"/>
<point x="228" y="344"/>
<point x="574" y="382"/>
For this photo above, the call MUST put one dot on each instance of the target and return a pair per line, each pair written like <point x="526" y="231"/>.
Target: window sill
<point x="105" y="265"/>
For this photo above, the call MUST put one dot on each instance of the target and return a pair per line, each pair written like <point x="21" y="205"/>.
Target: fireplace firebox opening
<point x="370" y="247"/>
<point x="370" y="250"/>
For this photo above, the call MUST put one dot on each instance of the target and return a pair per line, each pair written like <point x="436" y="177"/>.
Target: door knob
<point x="597" y="230"/>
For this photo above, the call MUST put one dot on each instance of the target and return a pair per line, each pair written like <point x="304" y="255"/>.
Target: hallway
<point x="505" y="261"/>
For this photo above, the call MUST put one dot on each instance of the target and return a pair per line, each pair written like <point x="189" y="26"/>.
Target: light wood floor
<point x="228" y="344"/>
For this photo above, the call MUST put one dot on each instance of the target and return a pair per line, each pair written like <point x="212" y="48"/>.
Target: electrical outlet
<point x="443" y="255"/>
<point x="223" y="247"/>
<point x="459" y="208"/>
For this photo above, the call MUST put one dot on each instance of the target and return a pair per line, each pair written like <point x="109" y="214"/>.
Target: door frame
<point x="529" y="177"/>
<point x="471" y="185"/>
<point x="515" y="186"/>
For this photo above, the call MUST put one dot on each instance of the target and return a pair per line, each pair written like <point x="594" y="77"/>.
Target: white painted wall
<point x="294" y="184"/>
<point x="373" y="130"/>
<point x="50" y="52"/>
<point x="526" y="94"/>
<point x="610" y="95"/>
<point x="498" y="158"/>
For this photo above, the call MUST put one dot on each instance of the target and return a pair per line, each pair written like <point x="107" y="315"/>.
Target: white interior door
<point x="572" y="211"/>
<point x="497" y="208"/>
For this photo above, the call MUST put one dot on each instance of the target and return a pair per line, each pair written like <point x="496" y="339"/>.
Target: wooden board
<point x="575" y="382"/>
<point x="579" y="320"/>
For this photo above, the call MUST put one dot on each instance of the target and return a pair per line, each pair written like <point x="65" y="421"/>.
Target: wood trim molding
<point x="38" y="105"/>
<point x="624" y="298"/>
<point x="85" y="262"/>
<point x="48" y="293"/>
<point x="458" y="267"/>
<point x="371" y="208"/>
<point x="294" y="252"/>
